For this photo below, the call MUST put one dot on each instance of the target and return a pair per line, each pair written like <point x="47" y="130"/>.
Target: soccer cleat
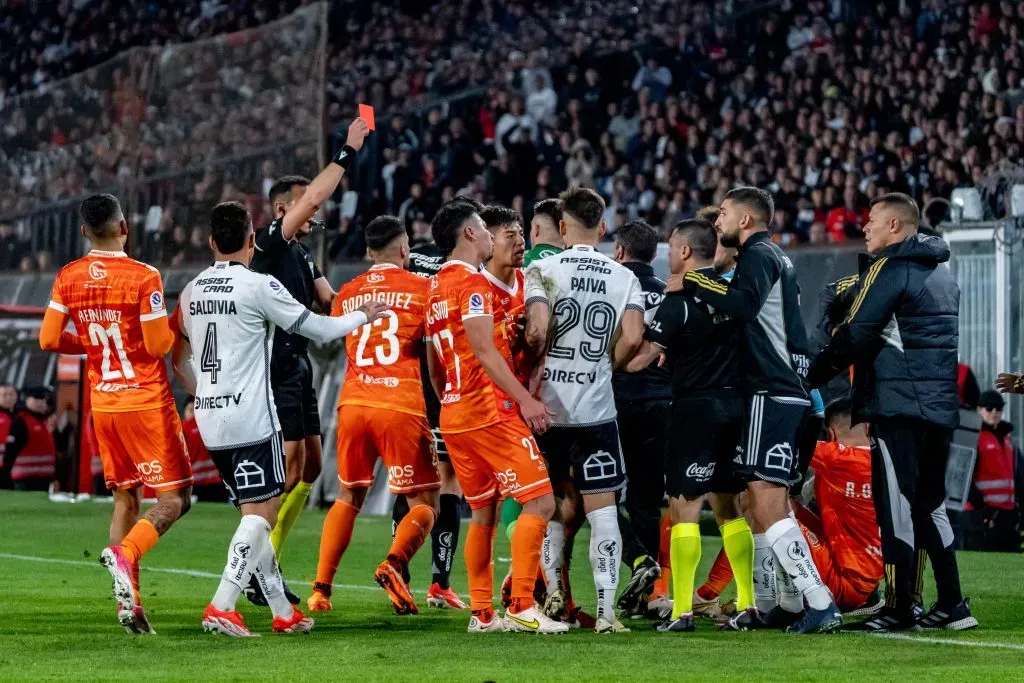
<point x="554" y="605"/>
<point x="873" y="604"/>
<point x="532" y="620"/>
<point x="292" y="597"/>
<point x="635" y="611"/>
<point x="444" y="598"/>
<point x="478" y="625"/>
<point x="319" y="601"/>
<point x="253" y="592"/>
<point x="135" y="621"/>
<point x="710" y="609"/>
<point x="645" y="573"/>
<point x="122" y="572"/>
<point x="605" y="626"/>
<point x="577" y="618"/>
<point x="659" y="608"/>
<point x="957" y="619"/>
<point x="226" y="623"/>
<point x="683" y="624"/>
<point x="299" y="623"/>
<point x="886" y="620"/>
<point x="747" y="620"/>
<point x="389" y="576"/>
<point x="779" y="618"/>
<point x="827" y="620"/>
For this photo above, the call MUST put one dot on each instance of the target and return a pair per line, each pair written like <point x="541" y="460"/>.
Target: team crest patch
<point x="476" y="303"/>
<point x="156" y="301"/>
<point x="275" y="285"/>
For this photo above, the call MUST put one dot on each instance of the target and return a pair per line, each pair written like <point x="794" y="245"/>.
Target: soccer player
<point x="545" y="239"/>
<point x="295" y="201"/>
<point x="381" y="414"/>
<point x="486" y="418"/>
<point x="702" y="347"/>
<point x="230" y="313"/>
<point x="643" y="401"/>
<point x="763" y="296"/>
<point x="596" y="307"/>
<point x="116" y="305"/>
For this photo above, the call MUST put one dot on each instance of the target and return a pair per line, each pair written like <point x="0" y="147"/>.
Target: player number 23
<point x="385" y="353"/>
<point x="105" y="337"/>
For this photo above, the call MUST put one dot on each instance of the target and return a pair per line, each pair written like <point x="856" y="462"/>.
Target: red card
<point x="366" y="114"/>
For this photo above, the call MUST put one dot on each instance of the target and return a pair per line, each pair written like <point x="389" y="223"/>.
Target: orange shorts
<point x="848" y="588"/>
<point x="501" y="459"/>
<point x="402" y="441"/>
<point x="143" y="447"/>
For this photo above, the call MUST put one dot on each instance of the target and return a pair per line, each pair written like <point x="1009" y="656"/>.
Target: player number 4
<point x="209" y="361"/>
<point x="100" y="336"/>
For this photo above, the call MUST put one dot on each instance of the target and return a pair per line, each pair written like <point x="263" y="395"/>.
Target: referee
<point x="295" y="200"/>
<point x="642" y="399"/>
<point x="901" y="336"/>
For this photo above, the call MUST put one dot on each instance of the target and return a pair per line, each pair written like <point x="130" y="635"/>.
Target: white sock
<point x="764" y="575"/>
<point x="605" y="558"/>
<point x="790" y="599"/>
<point x="791" y="550"/>
<point x="551" y="555"/>
<point x="269" y="576"/>
<point x="247" y="544"/>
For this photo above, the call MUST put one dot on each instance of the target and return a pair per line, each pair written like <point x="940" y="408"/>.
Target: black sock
<point x="632" y="548"/>
<point x="445" y="538"/>
<point x="398" y="513"/>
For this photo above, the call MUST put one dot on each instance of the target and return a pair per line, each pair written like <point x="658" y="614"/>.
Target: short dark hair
<point x="840" y="408"/>
<point x="709" y="214"/>
<point x="448" y="221"/>
<point x="495" y="216"/>
<point x="284" y="185"/>
<point x="382" y="231"/>
<point x="98" y="212"/>
<point x="903" y="202"/>
<point x="462" y="199"/>
<point x="700" y="235"/>
<point x="583" y="204"/>
<point x="639" y="239"/>
<point x="230" y="225"/>
<point x="550" y="208"/>
<point x="756" y="199"/>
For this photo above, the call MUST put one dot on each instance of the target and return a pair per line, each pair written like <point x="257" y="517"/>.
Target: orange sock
<point x="661" y="585"/>
<point x="411" y="532"/>
<point x="718" y="578"/>
<point x="479" y="567"/>
<point x="334" y="539"/>
<point x="140" y="540"/>
<point x="526" y="543"/>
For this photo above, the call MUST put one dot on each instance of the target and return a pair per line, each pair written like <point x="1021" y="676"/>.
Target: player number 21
<point x="386" y="353"/>
<point x="101" y="336"/>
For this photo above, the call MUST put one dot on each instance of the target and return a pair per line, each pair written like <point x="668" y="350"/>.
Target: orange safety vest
<point x="993" y="474"/>
<point x="38" y="458"/>
<point x="6" y="418"/>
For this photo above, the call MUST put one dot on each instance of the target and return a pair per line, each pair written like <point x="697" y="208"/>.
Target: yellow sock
<point x="291" y="505"/>
<point x="739" y="548"/>
<point x="685" y="554"/>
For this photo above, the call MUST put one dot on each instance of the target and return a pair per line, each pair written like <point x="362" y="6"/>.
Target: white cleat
<point x="554" y="605"/>
<point x="605" y="626"/>
<point x="660" y="608"/>
<point x="495" y="625"/>
<point x="532" y="620"/>
<point x="135" y="621"/>
<point x="226" y="623"/>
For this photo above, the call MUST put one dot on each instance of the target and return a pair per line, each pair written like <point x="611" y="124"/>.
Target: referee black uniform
<point x="291" y="373"/>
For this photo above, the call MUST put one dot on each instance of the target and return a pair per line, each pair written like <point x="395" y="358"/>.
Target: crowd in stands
<point x="662" y="106"/>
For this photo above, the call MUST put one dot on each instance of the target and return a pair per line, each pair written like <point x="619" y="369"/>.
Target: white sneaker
<point x="605" y="626"/>
<point x="532" y="620"/>
<point x="495" y="625"/>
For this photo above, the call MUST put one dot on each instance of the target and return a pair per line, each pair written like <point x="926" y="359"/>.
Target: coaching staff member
<point x="901" y="337"/>
<point x="295" y="200"/>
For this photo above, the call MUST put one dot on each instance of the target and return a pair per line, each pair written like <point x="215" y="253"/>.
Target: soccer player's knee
<point x="543" y="507"/>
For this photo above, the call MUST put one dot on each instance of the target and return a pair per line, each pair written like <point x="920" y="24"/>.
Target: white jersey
<point x="229" y="314"/>
<point x="588" y="294"/>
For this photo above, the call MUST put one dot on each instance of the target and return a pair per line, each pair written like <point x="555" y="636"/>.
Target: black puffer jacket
<point x="901" y="336"/>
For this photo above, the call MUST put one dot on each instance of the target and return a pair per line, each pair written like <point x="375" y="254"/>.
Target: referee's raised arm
<point x="326" y="182"/>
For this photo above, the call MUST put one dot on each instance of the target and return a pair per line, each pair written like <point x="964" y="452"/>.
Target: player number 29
<point x="105" y="337"/>
<point x="385" y="353"/>
<point x="598" y="320"/>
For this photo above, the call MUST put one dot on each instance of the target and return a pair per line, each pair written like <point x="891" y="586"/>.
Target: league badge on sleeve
<point x="476" y="304"/>
<point x="156" y="302"/>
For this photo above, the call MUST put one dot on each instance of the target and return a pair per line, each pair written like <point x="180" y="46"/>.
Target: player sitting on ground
<point x="232" y="314"/>
<point x="117" y="307"/>
<point x="381" y="414"/>
<point x="490" y="445"/>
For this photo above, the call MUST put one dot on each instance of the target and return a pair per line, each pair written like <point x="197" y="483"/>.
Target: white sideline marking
<point x="948" y="641"/>
<point x="163" y="570"/>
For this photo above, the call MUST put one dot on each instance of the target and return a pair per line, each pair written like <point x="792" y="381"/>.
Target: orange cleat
<point x="444" y="598"/>
<point x="319" y="602"/>
<point x="226" y="623"/>
<point x="299" y="623"/>
<point x="389" y="576"/>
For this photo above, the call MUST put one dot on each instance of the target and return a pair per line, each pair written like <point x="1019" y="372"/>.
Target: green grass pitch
<point x="58" y="620"/>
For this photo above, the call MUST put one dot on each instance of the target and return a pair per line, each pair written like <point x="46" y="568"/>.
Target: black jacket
<point x="652" y="383"/>
<point x="901" y="336"/>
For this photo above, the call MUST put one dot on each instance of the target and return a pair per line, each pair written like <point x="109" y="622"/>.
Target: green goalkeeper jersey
<point x="539" y="251"/>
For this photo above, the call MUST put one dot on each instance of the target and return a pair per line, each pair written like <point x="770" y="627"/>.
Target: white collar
<point x="382" y="266"/>
<point x="582" y="247"/>
<point x="457" y="262"/>
<point x="111" y="254"/>
<point x="494" y="280"/>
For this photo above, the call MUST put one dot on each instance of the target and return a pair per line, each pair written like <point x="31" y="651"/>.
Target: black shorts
<point x="592" y="453"/>
<point x="643" y="432"/>
<point x="291" y="377"/>
<point x="440" y="448"/>
<point x="252" y="474"/>
<point x="703" y="443"/>
<point x="771" y="432"/>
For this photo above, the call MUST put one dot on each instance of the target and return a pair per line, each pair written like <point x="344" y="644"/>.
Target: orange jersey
<point x="108" y="297"/>
<point x="509" y="307"/>
<point x="470" y="400"/>
<point x="842" y="486"/>
<point x="384" y="356"/>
